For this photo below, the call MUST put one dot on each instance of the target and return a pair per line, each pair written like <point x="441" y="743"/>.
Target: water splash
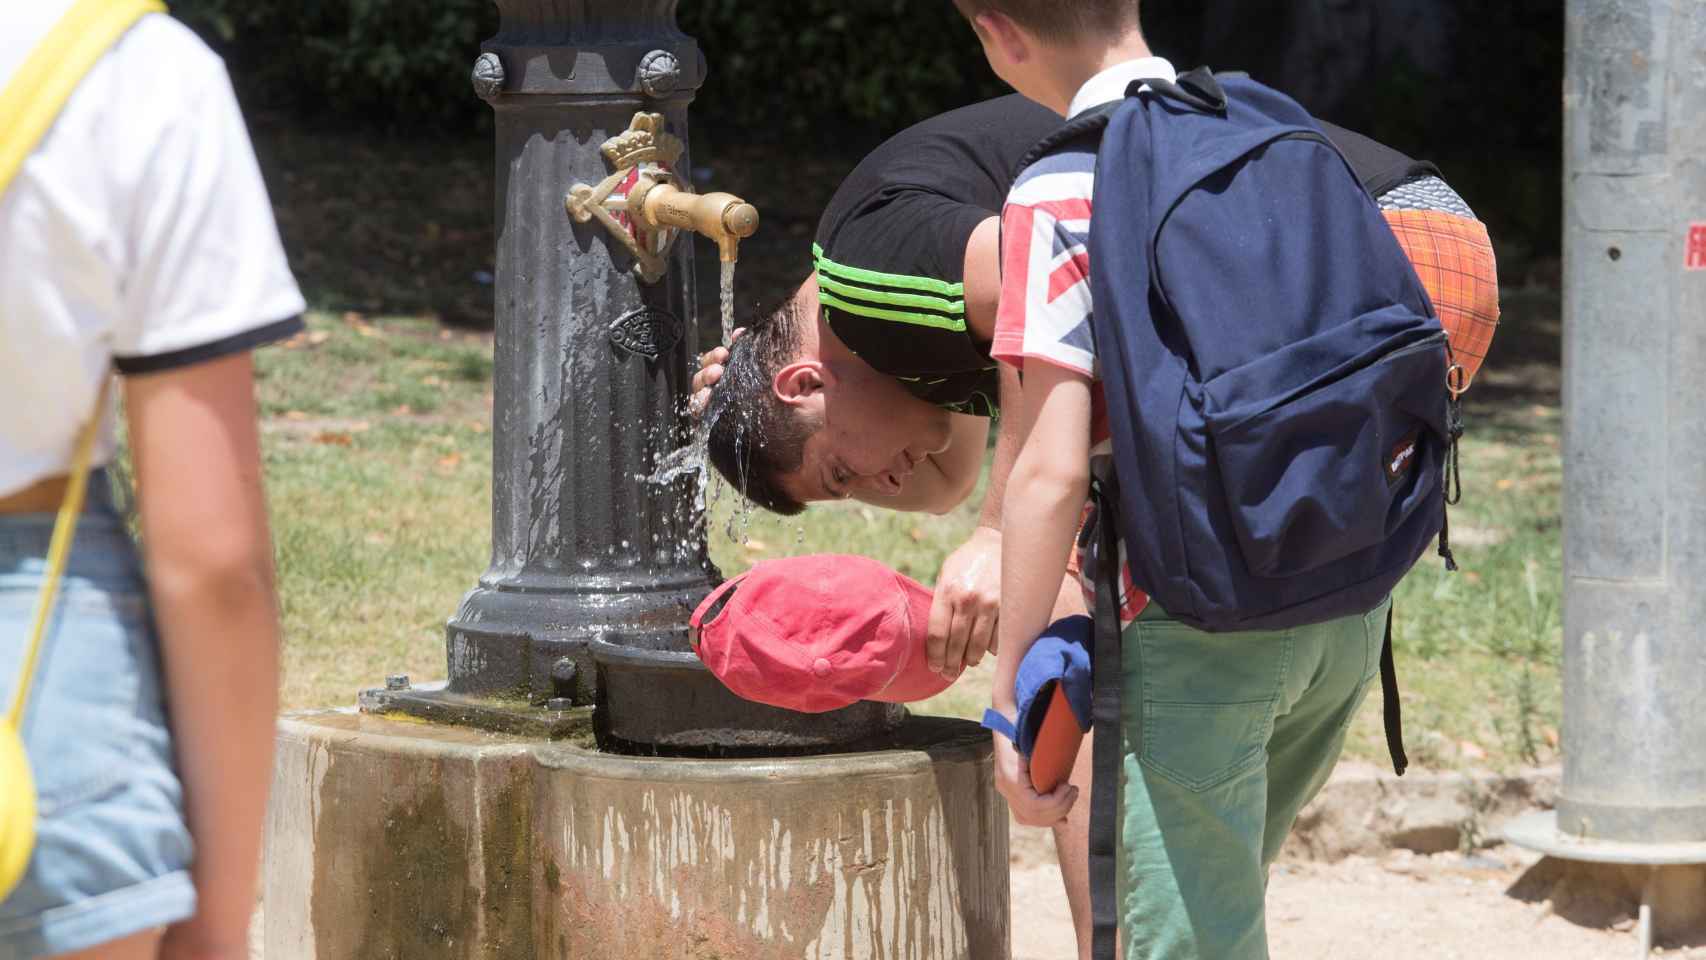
<point x="678" y="463"/>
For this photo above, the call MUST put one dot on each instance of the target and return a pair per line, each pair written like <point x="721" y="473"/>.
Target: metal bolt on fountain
<point x="562" y="793"/>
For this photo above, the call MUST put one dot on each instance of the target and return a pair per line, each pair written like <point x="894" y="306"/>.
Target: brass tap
<point x="656" y="204"/>
<point x="722" y="217"/>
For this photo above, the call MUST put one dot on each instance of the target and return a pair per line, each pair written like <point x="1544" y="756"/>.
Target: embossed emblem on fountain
<point x="648" y="332"/>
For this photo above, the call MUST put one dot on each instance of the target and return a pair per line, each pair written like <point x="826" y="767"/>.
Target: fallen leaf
<point x="368" y="330"/>
<point x="378" y="539"/>
<point x="476" y="426"/>
<point x="403" y="410"/>
<point x="1471" y="576"/>
<point x="318" y="337"/>
<point x="295" y="415"/>
<point x="450" y="461"/>
<point x="446" y="335"/>
<point x="351" y="316"/>
<point x="1551" y="736"/>
<point x="757" y="546"/>
<point x="1505" y="483"/>
<point x="1472" y="750"/>
<point x="360" y="426"/>
<point x="334" y="439"/>
<point x="916" y="534"/>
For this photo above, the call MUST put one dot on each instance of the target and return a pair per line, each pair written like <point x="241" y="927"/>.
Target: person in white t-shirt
<point x="138" y="238"/>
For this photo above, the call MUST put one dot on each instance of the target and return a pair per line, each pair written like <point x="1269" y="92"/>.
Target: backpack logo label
<point x="1402" y="457"/>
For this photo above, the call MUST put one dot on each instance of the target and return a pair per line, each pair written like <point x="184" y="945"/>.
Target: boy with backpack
<point x="1256" y="382"/>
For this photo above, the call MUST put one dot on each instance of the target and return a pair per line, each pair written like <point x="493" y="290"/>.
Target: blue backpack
<point x="1274" y="371"/>
<point x="1275" y="378"/>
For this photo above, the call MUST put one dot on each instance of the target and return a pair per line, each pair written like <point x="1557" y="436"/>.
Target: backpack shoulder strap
<point x="37" y="92"/>
<point x="1378" y="166"/>
<point x="1198" y="89"/>
<point x="1086" y="126"/>
<point x="1105" y="722"/>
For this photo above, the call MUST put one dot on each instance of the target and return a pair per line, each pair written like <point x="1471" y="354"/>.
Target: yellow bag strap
<point x="38" y="90"/>
<point x="58" y="551"/>
<point x="30" y="102"/>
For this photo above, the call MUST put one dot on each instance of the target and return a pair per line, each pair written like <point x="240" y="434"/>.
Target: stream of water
<point x="690" y="460"/>
<point x="727" y="293"/>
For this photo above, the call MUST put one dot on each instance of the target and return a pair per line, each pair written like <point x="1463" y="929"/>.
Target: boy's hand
<point x="967" y="603"/>
<point x="1013" y="780"/>
<point x="710" y="371"/>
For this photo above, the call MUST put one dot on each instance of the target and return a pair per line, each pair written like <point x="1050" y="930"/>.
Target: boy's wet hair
<point x="755" y="439"/>
<point x="1060" y="20"/>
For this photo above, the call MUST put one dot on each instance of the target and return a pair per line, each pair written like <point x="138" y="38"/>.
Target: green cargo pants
<point x="1226" y="737"/>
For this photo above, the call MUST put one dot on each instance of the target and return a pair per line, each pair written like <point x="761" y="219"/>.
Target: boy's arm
<point x="209" y="555"/>
<point x="964" y="614"/>
<point x="1044" y="500"/>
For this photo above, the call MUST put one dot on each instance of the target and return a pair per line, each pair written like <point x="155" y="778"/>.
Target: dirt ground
<point x="1400" y="906"/>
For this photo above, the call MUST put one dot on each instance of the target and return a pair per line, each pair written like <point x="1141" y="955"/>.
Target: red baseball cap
<point x="818" y="633"/>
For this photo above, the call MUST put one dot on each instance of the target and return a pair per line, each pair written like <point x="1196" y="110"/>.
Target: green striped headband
<point x="923" y="301"/>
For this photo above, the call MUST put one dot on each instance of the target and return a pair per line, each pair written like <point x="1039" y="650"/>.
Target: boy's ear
<point x="800" y="381"/>
<point x="1001" y="34"/>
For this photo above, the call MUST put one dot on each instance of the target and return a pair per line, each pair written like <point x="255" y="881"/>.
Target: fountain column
<point x="591" y="366"/>
<point x="598" y="554"/>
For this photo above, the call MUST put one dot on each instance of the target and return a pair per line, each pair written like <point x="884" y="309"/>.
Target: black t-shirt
<point x="890" y="249"/>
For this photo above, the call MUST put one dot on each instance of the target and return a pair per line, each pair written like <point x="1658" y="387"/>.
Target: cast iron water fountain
<point x="695" y="824"/>
<point x="598" y="534"/>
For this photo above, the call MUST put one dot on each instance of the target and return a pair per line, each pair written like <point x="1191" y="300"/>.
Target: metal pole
<point x="1635" y="422"/>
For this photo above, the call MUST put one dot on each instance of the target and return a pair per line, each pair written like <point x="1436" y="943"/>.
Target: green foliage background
<point x="402" y="65"/>
<point x="861" y="70"/>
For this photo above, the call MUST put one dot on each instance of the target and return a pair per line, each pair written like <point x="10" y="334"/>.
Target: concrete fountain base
<point x="398" y="839"/>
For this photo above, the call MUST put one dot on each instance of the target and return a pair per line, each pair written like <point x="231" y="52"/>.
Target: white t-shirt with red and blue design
<point x="1045" y="308"/>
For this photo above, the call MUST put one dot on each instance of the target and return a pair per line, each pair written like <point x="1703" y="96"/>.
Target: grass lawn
<point x="378" y="455"/>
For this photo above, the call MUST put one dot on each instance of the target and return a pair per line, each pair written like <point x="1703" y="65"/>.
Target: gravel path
<point x="1397" y="907"/>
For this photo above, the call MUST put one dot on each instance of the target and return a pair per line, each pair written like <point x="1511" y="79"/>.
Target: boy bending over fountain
<point x="875" y="381"/>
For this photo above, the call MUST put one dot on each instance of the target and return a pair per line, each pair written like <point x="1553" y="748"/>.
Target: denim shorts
<point x="112" y="849"/>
